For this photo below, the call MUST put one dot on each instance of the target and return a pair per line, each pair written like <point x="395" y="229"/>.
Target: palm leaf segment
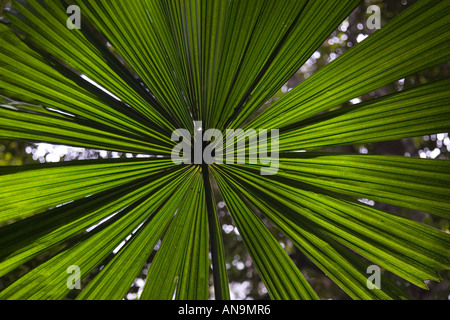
<point x="168" y="63"/>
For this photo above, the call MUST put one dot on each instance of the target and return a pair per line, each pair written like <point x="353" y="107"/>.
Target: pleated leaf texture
<point x="138" y="70"/>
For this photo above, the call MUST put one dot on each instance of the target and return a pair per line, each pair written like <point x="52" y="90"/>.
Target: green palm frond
<point x="138" y="70"/>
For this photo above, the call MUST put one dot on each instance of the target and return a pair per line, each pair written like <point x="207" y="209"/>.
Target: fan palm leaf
<point x="138" y="70"/>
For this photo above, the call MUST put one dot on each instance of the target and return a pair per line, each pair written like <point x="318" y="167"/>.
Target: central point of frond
<point x="202" y="147"/>
<point x="237" y="146"/>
